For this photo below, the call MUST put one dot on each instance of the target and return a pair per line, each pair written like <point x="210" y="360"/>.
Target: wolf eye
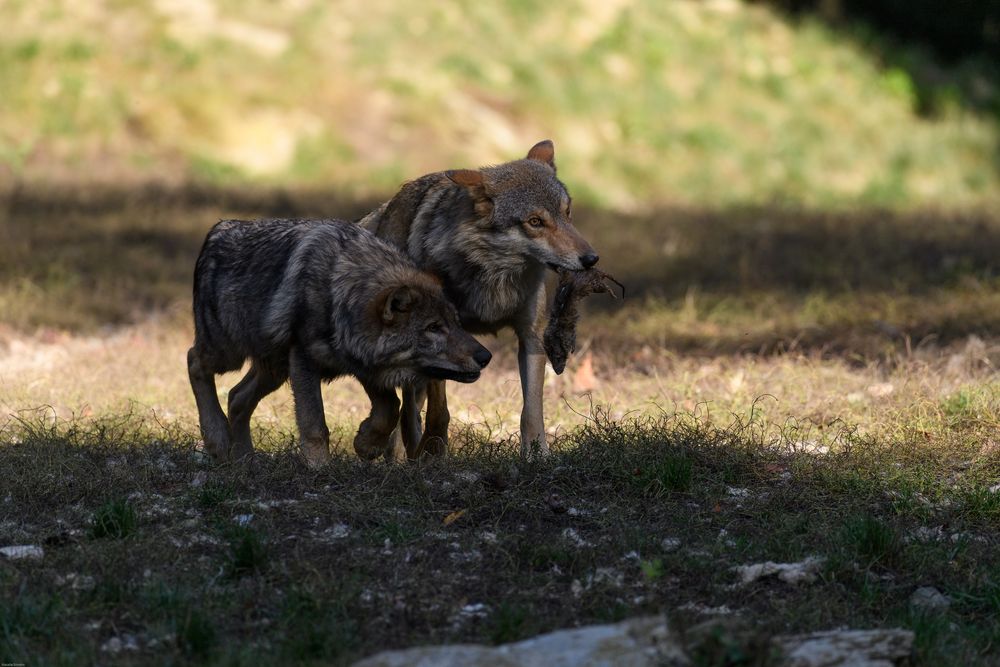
<point x="536" y="222"/>
<point x="434" y="328"/>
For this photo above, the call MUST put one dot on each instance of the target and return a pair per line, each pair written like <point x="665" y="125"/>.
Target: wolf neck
<point x="488" y="281"/>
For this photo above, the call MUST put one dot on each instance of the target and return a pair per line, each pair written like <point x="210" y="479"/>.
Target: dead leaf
<point x="453" y="517"/>
<point x="584" y="379"/>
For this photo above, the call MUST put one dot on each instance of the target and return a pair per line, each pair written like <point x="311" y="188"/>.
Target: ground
<point x="777" y="385"/>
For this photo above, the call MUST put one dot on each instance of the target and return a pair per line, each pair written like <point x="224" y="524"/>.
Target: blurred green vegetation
<point x="649" y="103"/>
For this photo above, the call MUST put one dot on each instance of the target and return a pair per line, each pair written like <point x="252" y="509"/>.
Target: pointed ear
<point x="472" y="181"/>
<point x="396" y="302"/>
<point x="469" y="178"/>
<point x="544" y="151"/>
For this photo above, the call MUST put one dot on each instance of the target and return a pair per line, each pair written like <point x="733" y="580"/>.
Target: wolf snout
<point x="589" y="260"/>
<point x="482" y="356"/>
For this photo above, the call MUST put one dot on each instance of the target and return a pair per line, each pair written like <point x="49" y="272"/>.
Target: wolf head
<point x="421" y="334"/>
<point x="527" y="210"/>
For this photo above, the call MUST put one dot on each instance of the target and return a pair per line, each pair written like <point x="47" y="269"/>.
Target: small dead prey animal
<point x="560" y="333"/>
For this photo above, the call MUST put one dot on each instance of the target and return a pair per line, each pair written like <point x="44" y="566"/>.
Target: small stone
<point x="571" y="535"/>
<point x="335" y="532"/>
<point x="670" y="543"/>
<point x="23" y="552"/>
<point x="76" y="582"/>
<point x="791" y="573"/>
<point x="928" y="598"/>
<point x="880" y="389"/>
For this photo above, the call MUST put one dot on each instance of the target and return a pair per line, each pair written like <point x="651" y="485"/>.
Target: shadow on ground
<point x="80" y="259"/>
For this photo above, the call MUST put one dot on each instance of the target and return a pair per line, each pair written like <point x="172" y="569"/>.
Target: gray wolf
<point x="312" y="300"/>
<point x="489" y="234"/>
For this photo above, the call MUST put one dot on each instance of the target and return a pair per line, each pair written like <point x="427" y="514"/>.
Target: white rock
<point x="880" y="389"/>
<point x="118" y="644"/>
<point x="791" y="573"/>
<point x="468" y="613"/>
<point x="640" y="642"/>
<point x="721" y="610"/>
<point x="467" y="476"/>
<point x="571" y="535"/>
<point x="925" y="534"/>
<point x="243" y="519"/>
<point x="335" y="532"/>
<point x="77" y="582"/>
<point x="23" y="552"/>
<point x="271" y="504"/>
<point x="670" y="543"/>
<point x="928" y="598"/>
<point x="113" y="645"/>
<point x="847" y="648"/>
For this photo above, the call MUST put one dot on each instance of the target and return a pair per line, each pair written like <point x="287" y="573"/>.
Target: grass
<point x="115" y="519"/>
<point x="779" y="384"/>
<point x="510" y="556"/>
<point x="650" y="103"/>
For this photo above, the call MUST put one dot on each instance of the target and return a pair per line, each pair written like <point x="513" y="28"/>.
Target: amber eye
<point x="536" y="222"/>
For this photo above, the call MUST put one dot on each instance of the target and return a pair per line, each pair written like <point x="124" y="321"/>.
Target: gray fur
<point x="309" y="301"/>
<point x="471" y="228"/>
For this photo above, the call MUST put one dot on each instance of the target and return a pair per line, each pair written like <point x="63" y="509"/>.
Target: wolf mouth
<point x="439" y="373"/>
<point x="559" y="267"/>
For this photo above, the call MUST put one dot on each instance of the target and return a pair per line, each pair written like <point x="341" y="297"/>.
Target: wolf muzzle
<point x="467" y="370"/>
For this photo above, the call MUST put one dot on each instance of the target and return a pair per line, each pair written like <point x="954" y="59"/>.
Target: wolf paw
<point x="372" y="442"/>
<point x="315" y="451"/>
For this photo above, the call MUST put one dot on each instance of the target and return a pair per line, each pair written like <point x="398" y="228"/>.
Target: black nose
<point x="588" y="260"/>
<point x="482" y="357"/>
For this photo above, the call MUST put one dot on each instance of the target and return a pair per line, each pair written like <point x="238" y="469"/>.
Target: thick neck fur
<point x="489" y="278"/>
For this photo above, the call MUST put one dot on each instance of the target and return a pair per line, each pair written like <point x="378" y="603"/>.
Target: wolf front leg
<point x="531" y="364"/>
<point x="314" y="436"/>
<point x="435" y="438"/>
<point x="375" y="435"/>
<point x="215" y="429"/>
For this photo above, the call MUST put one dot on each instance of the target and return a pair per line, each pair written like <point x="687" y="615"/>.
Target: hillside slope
<point x="649" y="102"/>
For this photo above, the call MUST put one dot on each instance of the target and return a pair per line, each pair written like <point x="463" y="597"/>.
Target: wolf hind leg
<point x="215" y="430"/>
<point x="435" y="438"/>
<point x="243" y="399"/>
<point x="314" y="436"/>
<point x="375" y="435"/>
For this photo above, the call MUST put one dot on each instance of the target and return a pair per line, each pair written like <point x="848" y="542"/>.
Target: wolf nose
<point x="588" y="260"/>
<point x="482" y="357"/>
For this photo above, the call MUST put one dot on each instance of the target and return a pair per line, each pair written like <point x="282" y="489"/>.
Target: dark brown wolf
<point x="489" y="234"/>
<point x="312" y="300"/>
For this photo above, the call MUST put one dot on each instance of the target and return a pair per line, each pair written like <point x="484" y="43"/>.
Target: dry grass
<point x="742" y="412"/>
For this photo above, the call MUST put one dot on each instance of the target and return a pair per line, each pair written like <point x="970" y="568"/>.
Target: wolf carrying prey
<point x="489" y="234"/>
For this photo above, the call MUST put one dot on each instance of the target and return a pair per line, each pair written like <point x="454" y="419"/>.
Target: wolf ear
<point x="469" y="178"/>
<point x="473" y="182"/>
<point x="544" y="151"/>
<point x="395" y="302"/>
